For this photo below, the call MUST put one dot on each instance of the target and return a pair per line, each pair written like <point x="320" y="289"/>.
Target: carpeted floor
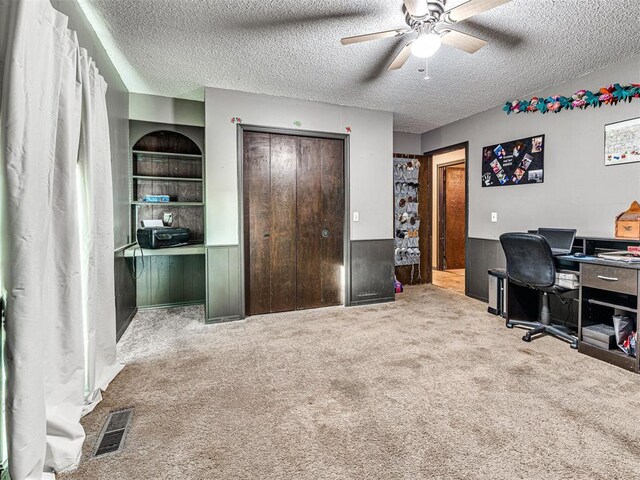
<point x="430" y="386"/>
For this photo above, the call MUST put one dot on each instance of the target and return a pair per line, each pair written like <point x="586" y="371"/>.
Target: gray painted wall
<point x="369" y="179"/>
<point x="118" y="109"/>
<point x="409" y="143"/>
<point x="152" y="108"/>
<point x="579" y="191"/>
<point x="371" y="163"/>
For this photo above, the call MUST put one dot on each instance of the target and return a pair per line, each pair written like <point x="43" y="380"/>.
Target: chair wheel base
<point x="526" y="338"/>
<point x="574" y="345"/>
<point x="509" y="325"/>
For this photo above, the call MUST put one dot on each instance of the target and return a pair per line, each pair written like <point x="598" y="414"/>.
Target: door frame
<point x="451" y="148"/>
<point x="441" y="211"/>
<point x="346" y="247"/>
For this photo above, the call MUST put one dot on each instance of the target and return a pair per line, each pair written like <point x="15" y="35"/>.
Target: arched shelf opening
<point x="165" y="141"/>
<point x="167" y="182"/>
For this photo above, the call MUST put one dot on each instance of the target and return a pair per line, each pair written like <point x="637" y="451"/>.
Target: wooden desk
<point x="607" y="288"/>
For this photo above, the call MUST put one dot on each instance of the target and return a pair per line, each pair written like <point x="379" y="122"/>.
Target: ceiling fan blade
<point x="462" y="41"/>
<point x="372" y="36"/>
<point x="471" y="8"/>
<point x="401" y="58"/>
<point x="417" y="8"/>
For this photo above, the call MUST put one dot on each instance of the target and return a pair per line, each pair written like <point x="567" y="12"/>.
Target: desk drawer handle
<point x="608" y="279"/>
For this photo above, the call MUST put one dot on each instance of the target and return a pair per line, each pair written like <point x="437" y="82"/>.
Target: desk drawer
<point x="615" y="279"/>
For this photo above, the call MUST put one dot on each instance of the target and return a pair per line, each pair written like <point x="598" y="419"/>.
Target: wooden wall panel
<point x="170" y="279"/>
<point x="223" y="283"/>
<point x="372" y="263"/>
<point x="125" y="292"/>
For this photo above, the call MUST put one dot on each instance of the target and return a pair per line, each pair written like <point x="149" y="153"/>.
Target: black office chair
<point x="530" y="263"/>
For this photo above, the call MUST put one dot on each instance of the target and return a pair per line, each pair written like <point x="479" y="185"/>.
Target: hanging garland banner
<point x="582" y="99"/>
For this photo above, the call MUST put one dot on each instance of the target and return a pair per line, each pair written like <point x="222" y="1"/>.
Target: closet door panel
<point x="284" y="150"/>
<point x="331" y="251"/>
<point x="257" y="221"/>
<point x="309" y="202"/>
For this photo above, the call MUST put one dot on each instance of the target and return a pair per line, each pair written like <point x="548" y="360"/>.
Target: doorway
<point x="450" y="219"/>
<point x="293" y="220"/>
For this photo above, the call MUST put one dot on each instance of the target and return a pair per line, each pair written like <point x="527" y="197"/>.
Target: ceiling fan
<point x="431" y="22"/>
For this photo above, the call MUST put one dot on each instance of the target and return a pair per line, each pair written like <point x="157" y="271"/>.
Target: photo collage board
<point x="513" y="163"/>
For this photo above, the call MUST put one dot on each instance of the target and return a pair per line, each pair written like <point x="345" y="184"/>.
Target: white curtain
<point x="57" y="222"/>
<point x="95" y="189"/>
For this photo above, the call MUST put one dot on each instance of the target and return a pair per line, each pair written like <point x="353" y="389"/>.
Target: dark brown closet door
<point x="257" y="221"/>
<point x="284" y="151"/>
<point x="293" y="192"/>
<point x="320" y="201"/>
<point x="270" y="222"/>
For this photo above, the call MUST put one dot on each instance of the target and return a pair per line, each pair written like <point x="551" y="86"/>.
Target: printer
<point x="162" y="237"/>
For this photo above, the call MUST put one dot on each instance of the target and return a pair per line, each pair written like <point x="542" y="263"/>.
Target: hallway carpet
<point x="430" y="386"/>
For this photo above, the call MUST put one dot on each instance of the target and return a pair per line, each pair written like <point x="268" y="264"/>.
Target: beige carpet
<point x="430" y="386"/>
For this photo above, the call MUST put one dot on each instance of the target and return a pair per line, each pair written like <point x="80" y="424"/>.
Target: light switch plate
<point x="356" y="216"/>
<point x="494" y="217"/>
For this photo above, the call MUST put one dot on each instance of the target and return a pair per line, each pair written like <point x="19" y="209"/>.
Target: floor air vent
<point x="114" y="432"/>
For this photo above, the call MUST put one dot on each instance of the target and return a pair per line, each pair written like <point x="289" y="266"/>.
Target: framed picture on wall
<point x="622" y="142"/>
<point x="513" y="163"/>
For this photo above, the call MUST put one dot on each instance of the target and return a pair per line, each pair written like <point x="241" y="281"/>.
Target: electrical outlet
<point x="356" y="216"/>
<point x="494" y="217"/>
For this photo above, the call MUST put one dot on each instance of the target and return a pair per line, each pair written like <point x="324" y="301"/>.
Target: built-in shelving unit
<point x="167" y="162"/>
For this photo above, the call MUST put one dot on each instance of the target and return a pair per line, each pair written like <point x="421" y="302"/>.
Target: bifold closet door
<point x="320" y="201"/>
<point x="293" y="192"/>
<point x="269" y="222"/>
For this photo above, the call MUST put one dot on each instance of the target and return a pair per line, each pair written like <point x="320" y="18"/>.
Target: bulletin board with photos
<point x="513" y="163"/>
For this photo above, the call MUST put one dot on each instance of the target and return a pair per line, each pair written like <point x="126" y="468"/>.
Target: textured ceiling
<point x="292" y="48"/>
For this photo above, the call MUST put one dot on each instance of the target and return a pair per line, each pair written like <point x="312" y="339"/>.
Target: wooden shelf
<point x="612" y="305"/>
<point x="167" y="179"/>
<point x="168" y="154"/>
<point x="615" y="357"/>
<point x="136" y="251"/>
<point x="169" y="204"/>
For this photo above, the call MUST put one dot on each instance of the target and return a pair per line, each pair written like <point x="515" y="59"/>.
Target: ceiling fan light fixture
<point x="426" y="45"/>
